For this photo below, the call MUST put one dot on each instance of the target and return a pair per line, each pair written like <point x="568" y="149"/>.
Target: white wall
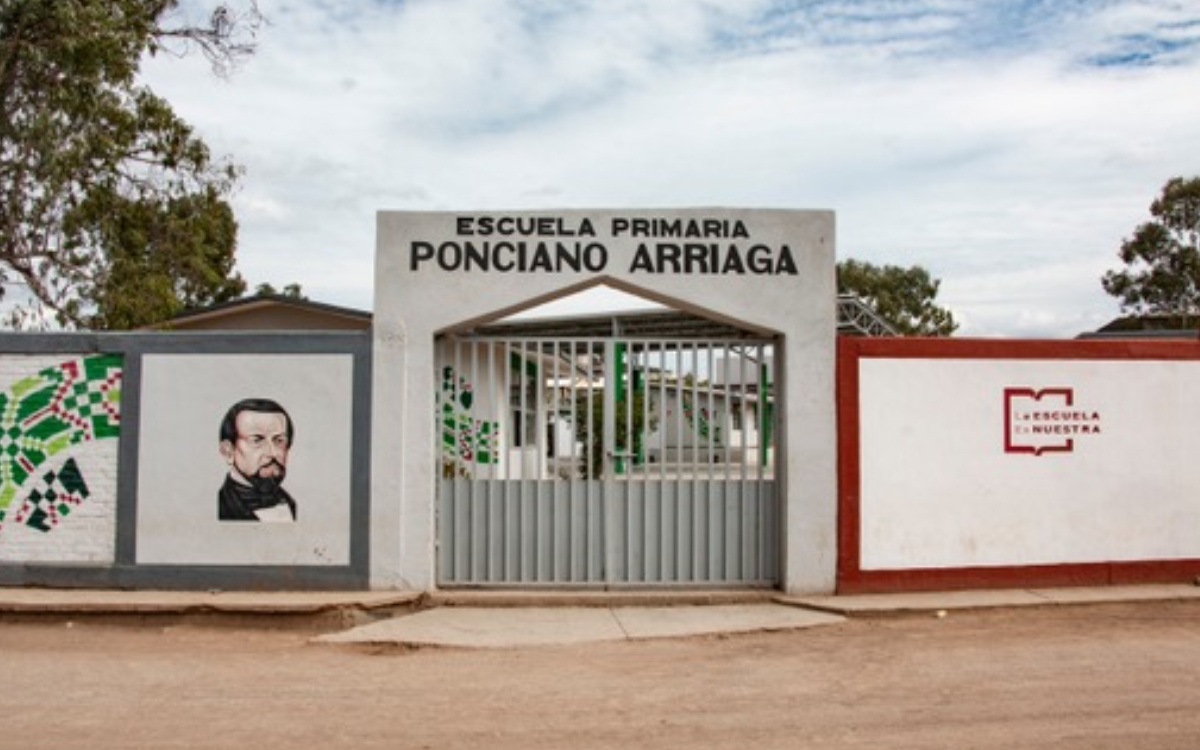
<point x="180" y="469"/>
<point x="939" y="489"/>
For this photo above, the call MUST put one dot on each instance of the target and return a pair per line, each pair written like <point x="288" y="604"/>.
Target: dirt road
<point x="1117" y="676"/>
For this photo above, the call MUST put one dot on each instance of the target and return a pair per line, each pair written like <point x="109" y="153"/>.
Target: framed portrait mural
<point x="245" y="459"/>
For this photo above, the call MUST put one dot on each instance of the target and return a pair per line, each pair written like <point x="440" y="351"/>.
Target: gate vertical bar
<point x="558" y="499"/>
<point x="608" y="417"/>
<point x="572" y="527"/>
<point x="752" y="531"/>
<point x="733" y="510"/>
<point x="512" y="526"/>
<point x="528" y="518"/>
<point x="445" y="520"/>
<point x="634" y="502"/>
<point x="538" y="430"/>
<point x="460" y="513"/>
<point x="594" y="530"/>
<point x="496" y="499"/>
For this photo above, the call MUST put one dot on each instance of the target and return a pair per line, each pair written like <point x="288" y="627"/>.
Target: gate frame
<point x="489" y="561"/>
<point x="414" y="303"/>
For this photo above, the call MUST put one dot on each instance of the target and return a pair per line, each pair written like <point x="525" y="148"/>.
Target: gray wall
<point x="127" y="446"/>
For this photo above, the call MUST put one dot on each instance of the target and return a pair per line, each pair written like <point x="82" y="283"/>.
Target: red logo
<point x="1045" y="420"/>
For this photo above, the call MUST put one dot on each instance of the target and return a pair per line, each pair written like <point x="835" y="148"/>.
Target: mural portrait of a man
<point x="255" y="438"/>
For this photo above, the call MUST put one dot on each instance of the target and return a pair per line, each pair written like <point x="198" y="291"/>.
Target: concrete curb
<point x="104" y="602"/>
<point x="512" y="619"/>
<point x="877" y="605"/>
<point x="512" y="627"/>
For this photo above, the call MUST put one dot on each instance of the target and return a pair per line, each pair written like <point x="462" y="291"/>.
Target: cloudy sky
<point x="1007" y="146"/>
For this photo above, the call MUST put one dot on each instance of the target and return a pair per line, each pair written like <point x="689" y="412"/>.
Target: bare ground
<point x="1113" y="676"/>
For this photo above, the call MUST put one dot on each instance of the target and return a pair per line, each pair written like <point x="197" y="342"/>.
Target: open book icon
<point x="1044" y="421"/>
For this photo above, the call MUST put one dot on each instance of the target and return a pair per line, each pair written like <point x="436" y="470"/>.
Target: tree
<point x="290" y="291"/>
<point x="113" y="213"/>
<point x="904" y="297"/>
<point x="1162" y="258"/>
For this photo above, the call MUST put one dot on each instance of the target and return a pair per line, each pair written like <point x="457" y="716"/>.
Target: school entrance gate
<point x="614" y="461"/>
<point x="628" y="458"/>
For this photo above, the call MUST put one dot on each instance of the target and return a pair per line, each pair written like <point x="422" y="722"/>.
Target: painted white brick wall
<point x="88" y="533"/>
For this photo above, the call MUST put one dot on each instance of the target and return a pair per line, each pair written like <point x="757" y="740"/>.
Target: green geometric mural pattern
<point x="46" y="413"/>
<point x="465" y="440"/>
<point x="53" y="499"/>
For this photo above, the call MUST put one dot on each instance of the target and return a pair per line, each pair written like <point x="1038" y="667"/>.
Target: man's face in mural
<point x="258" y="456"/>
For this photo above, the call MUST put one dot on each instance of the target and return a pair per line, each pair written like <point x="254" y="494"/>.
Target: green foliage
<point x="1162" y="258"/>
<point x="113" y="213"/>
<point x="631" y="426"/>
<point x="291" y="291"/>
<point x="904" y="297"/>
<point x="162" y="256"/>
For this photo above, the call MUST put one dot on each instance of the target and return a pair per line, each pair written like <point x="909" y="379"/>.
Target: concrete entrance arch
<point x="764" y="270"/>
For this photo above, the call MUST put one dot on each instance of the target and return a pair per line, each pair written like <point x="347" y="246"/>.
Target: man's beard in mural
<point x="268" y="484"/>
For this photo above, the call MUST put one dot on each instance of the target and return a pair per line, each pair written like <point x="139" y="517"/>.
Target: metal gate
<point x="606" y="462"/>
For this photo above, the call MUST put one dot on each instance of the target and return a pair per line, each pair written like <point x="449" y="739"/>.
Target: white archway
<point x="766" y="270"/>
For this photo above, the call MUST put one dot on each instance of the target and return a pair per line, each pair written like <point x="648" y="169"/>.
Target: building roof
<point x="279" y="312"/>
<point x="271" y="312"/>
<point x="1146" y="327"/>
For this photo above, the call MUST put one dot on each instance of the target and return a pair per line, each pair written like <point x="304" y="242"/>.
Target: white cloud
<point x="984" y="140"/>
